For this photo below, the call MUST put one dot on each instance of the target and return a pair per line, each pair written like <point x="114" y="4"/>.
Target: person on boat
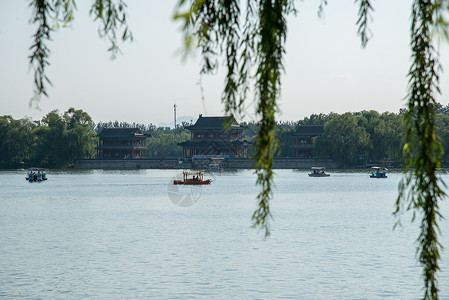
<point x="44" y="176"/>
<point x="39" y="176"/>
<point x="34" y="176"/>
<point x="30" y="176"/>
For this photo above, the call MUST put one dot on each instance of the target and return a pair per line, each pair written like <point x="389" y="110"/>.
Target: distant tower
<point x="174" y="108"/>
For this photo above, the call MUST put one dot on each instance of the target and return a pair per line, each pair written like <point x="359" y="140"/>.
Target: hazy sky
<point x="326" y="68"/>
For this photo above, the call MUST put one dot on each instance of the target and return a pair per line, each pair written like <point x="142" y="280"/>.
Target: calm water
<point x="118" y="234"/>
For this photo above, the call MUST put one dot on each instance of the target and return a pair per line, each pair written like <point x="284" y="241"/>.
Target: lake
<point x="132" y="234"/>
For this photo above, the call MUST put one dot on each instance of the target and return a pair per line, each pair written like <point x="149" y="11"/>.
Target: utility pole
<point x="174" y="108"/>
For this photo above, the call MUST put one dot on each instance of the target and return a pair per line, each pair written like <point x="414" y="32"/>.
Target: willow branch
<point x="112" y="18"/>
<point x="421" y="188"/>
<point x="40" y="52"/>
<point x="365" y="11"/>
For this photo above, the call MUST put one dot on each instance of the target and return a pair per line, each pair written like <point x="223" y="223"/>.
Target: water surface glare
<point x="119" y="235"/>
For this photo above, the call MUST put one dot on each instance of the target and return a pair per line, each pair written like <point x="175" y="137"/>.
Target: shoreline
<point x="205" y="163"/>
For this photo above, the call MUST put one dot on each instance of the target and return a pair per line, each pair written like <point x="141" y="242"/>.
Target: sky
<point x="326" y="69"/>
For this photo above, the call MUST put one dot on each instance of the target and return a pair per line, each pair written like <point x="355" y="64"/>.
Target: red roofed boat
<point x="193" y="178"/>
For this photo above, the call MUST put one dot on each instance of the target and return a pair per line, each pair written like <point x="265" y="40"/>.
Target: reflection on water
<point x="116" y="234"/>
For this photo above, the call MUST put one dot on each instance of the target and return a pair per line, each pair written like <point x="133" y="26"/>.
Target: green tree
<point x="315" y="119"/>
<point x="385" y="132"/>
<point x="62" y="139"/>
<point x="283" y="132"/>
<point x="79" y="135"/>
<point x="164" y="142"/>
<point x="351" y="136"/>
<point x="392" y="130"/>
<point x="343" y="139"/>
<point x="52" y="141"/>
<point x="15" y="141"/>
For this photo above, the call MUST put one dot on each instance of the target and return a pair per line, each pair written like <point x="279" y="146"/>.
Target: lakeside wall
<point x="175" y="163"/>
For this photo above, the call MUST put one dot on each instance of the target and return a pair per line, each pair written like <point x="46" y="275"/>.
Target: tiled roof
<point x="120" y="132"/>
<point x="212" y="123"/>
<point x="309" y="130"/>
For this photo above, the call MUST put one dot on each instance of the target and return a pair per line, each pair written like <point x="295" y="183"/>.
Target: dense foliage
<point x="352" y="139"/>
<point x="56" y="141"/>
<point x="356" y="138"/>
<point x="16" y="141"/>
<point x="164" y="142"/>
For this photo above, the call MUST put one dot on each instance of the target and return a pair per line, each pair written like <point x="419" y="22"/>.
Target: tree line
<point x="352" y="138"/>
<point x="56" y="141"/>
<point x="368" y="136"/>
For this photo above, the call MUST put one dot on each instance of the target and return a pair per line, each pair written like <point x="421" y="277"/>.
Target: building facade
<point x="302" y="140"/>
<point x="216" y="136"/>
<point x="122" y="143"/>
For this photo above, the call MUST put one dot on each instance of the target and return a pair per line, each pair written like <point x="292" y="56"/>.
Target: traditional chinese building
<point x="216" y="136"/>
<point x="302" y="140"/>
<point x="122" y="143"/>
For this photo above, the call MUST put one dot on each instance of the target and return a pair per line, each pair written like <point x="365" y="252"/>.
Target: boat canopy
<point x="379" y="168"/>
<point x="318" y="168"/>
<point x="36" y="169"/>
<point x="193" y="172"/>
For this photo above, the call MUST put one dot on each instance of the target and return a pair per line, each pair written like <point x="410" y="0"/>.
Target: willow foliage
<point x="252" y="41"/>
<point x="421" y="188"/>
<point x="50" y="15"/>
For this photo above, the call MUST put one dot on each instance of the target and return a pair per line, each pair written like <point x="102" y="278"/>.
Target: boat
<point x="378" y="172"/>
<point x="318" y="172"/>
<point x="193" y="178"/>
<point x="36" y="177"/>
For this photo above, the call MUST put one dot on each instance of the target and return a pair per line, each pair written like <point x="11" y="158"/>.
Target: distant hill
<point x="179" y="121"/>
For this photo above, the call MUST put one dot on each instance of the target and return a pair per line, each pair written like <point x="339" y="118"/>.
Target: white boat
<point x="318" y="172"/>
<point x="378" y="172"/>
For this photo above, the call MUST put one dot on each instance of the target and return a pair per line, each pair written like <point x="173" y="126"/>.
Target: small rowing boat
<point x="318" y="172"/>
<point x="36" y="175"/>
<point x="378" y="172"/>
